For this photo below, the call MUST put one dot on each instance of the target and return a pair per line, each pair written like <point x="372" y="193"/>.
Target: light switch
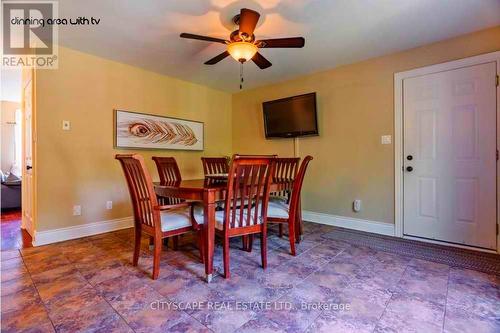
<point x="386" y="139"/>
<point x="66" y="126"/>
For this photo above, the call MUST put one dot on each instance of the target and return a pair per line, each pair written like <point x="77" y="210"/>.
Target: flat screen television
<point x="291" y="117"/>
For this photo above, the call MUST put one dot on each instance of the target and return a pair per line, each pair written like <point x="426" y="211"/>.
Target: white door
<point x="450" y="156"/>
<point x="27" y="183"/>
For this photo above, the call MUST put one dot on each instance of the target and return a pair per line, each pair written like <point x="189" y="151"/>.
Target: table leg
<point x="209" y="232"/>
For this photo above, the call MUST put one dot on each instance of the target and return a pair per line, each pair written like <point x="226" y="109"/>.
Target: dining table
<point x="209" y="191"/>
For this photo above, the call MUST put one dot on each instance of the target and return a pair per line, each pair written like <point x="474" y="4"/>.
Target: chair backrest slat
<point x="168" y="170"/>
<point x="247" y="190"/>
<point x="141" y="189"/>
<point x="215" y="165"/>
<point x="169" y="173"/>
<point x="285" y="172"/>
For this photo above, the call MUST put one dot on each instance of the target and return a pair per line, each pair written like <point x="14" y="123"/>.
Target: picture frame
<point x="134" y="130"/>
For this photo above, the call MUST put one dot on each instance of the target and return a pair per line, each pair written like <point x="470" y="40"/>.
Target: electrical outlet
<point x="66" y="126"/>
<point x="77" y="210"/>
<point x="109" y="204"/>
<point x="386" y="139"/>
<point x="356" y="205"/>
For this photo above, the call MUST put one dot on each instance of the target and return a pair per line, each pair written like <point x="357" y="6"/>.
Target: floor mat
<point x="468" y="259"/>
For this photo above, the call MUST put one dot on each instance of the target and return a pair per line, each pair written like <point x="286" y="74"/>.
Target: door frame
<point x="29" y="76"/>
<point x="399" y="136"/>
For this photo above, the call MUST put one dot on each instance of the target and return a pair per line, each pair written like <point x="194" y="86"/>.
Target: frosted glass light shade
<point x="242" y="50"/>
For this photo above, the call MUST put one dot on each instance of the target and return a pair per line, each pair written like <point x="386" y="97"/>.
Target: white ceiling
<point x="146" y="33"/>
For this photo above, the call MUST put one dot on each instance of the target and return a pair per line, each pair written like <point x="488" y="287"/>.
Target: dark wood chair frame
<point x="147" y="218"/>
<point x="251" y="183"/>
<point x="170" y="174"/>
<point x="215" y="165"/>
<point x="285" y="171"/>
<point x="294" y="205"/>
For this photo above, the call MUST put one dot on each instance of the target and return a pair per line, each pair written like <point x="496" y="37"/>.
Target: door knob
<point x="29" y="167"/>
<point x="409" y="157"/>
<point x="409" y="169"/>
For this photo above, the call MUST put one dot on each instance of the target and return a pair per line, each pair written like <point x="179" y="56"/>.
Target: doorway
<point x="13" y="236"/>
<point x="446" y="152"/>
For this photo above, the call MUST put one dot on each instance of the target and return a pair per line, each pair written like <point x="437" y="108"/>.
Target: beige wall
<point x="8" y="116"/>
<point x="78" y="166"/>
<point x="355" y="107"/>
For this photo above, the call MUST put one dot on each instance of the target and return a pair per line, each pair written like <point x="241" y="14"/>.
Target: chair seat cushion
<point x="278" y="208"/>
<point x="219" y="217"/>
<point x="173" y="219"/>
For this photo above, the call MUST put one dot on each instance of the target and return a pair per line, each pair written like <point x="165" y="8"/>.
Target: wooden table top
<point x="204" y="183"/>
<point x="195" y="184"/>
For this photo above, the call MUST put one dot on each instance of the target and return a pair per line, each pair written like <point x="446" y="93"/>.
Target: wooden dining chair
<point x="168" y="170"/>
<point x="150" y="218"/>
<point x="285" y="170"/>
<point x="215" y="165"/>
<point x="284" y="211"/>
<point x="250" y="183"/>
<point x="169" y="173"/>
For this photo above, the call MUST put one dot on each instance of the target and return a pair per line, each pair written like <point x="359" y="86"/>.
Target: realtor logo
<point x="29" y="34"/>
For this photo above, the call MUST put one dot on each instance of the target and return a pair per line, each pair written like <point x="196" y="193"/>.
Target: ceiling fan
<point x="243" y="46"/>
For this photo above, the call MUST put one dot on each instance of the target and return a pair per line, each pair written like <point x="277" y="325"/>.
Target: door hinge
<point x="497" y="229"/>
<point x="497" y="154"/>
<point x="498" y="81"/>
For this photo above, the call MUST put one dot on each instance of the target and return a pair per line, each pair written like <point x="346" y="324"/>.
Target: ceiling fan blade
<point x="218" y="58"/>
<point x="282" y="42"/>
<point x="204" y="38"/>
<point x="248" y="21"/>
<point x="260" y="61"/>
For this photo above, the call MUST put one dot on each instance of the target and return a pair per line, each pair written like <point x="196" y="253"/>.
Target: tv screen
<point x="291" y="117"/>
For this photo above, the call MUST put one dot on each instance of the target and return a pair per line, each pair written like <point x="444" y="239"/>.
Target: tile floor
<point x="331" y="286"/>
<point x="11" y="235"/>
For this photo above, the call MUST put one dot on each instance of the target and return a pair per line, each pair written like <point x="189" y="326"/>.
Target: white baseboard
<point x="83" y="230"/>
<point x="90" y="229"/>
<point x="349" y="223"/>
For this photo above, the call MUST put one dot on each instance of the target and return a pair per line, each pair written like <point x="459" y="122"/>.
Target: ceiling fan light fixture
<point x="242" y="51"/>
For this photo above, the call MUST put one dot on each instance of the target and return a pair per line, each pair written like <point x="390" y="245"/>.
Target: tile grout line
<point x="38" y="292"/>
<point x="104" y="298"/>
<point x="293" y="287"/>
<point x="305" y="278"/>
<point x="322" y="311"/>
<point x="446" y="300"/>
<point x="169" y="299"/>
<point x="184" y="311"/>
<point x="111" y="306"/>
<point x="348" y="283"/>
<point x="93" y="287"/>
<point x="323" y="240"/>
<point x="390" y="299"/>
<point x="364" y="267"/>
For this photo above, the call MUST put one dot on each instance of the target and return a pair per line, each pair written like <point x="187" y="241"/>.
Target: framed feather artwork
<point x="146" y="131"/>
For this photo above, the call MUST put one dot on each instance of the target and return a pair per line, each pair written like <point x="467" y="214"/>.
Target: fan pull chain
<point x="241" y="75"/>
